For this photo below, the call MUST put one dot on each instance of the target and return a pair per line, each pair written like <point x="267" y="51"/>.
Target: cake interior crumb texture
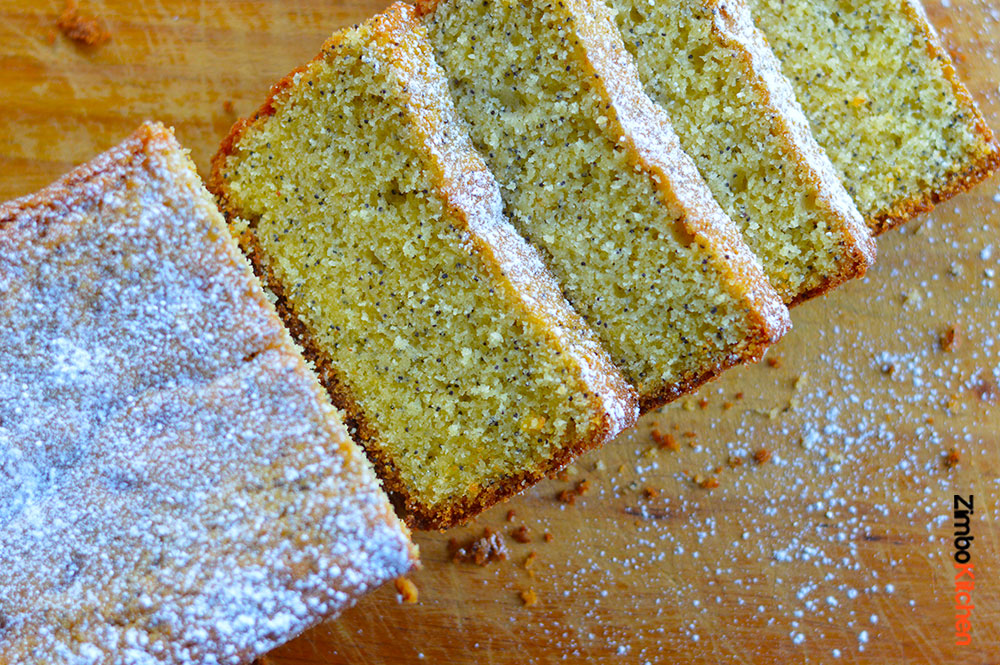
<point x="735" y="115"/>
<point x="380" y="227"/>
<point x="641" y="249"/>
<point x="883" y="100"/>
<point x="174" y="486"/>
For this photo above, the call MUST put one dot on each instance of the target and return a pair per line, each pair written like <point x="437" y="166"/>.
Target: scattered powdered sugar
<point x="173" y="488"/>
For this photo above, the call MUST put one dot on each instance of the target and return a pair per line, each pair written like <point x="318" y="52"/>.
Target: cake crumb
<point x="951" y="338"/>
<point x="734" y="461"/>
<point x="85" y="30"/>
<point x="707" y="483"/>
<point x="521" y="534"/>
<point x="529" y="563"/>
<point x="664" y="441"/>
<point x="650" y="492"/>
<point x="529" y="597"/>
<point x="480" y="551"/>
<point x="548" y="537"/>
<point x="406" y="590"/>
<point x="762" y="456"/>
<point x="774" y="362"/>
<point x="511" y="515"/>
<point x="229" y="107"/>
<point x="569" y="495"/>
<point x="951" y="459"/>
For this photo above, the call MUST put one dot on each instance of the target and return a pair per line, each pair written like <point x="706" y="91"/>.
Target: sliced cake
<point x="368" y="213"/>
<point x="593" y="175"/>
<point x="175" y="486"/>
<point x="884" y="101"/>
<point x="736" y="116"/>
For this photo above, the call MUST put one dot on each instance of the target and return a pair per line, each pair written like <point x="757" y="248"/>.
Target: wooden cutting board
<point x="835" y="549"/>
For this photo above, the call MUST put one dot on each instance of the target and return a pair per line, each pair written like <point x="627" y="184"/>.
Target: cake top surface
<point x="173" y="486"/>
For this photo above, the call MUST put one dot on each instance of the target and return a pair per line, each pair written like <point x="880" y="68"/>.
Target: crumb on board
<point x="529" y="563"/>
<point x="406" y="590"/>
<point x="650" y="492"/>
<point x="762" y="456"/>
<point x="951" y="458"/>
<point x="511" y="515"/>
<point x="711" y="482"/>
<point x="664" y="441"/>
<point x="85" y="30"/>
<point x="569" y="495"/>
<point x="734" y="461"/>
<point x="950" y="339"/>
<point x="481" y="551"/>
<point x="547" y="537"/>
<point x="775" y="362"/>
<point x="529" y="597"/>
<point x="229" y="107"/>
<point x="521" y="534"/>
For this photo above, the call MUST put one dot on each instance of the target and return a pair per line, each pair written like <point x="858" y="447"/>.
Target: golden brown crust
<point x="904" y="210"/>
<point x="471" y="195"/>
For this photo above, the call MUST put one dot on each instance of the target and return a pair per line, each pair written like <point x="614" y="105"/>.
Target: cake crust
<point x="183" y="437"/>
<point x="471" y="196"/>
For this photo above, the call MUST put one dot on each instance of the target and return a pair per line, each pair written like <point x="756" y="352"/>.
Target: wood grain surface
<point x="833" y="546"/>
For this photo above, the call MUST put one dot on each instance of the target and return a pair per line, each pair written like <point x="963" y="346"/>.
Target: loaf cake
<point x="175" y="487"/>
<point x="433" y="324"/>
<point x="736" y="116"/>
<point x="593" y="175"/>
<point x="883" y="99"/>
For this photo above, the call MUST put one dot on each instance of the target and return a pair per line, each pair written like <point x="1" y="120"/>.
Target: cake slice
<point x="593" y="175"/>
<point x="174" y="484"/>
<point x="736" y="116"/>
<point x="364" y="207"/>
<point x="883" y="99"/>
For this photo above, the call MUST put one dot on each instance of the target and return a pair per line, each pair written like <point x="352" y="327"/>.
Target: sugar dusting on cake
<point x="172" y="488"/>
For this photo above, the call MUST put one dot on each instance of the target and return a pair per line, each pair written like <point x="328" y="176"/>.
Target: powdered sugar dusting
<point x="172" y="489"/>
